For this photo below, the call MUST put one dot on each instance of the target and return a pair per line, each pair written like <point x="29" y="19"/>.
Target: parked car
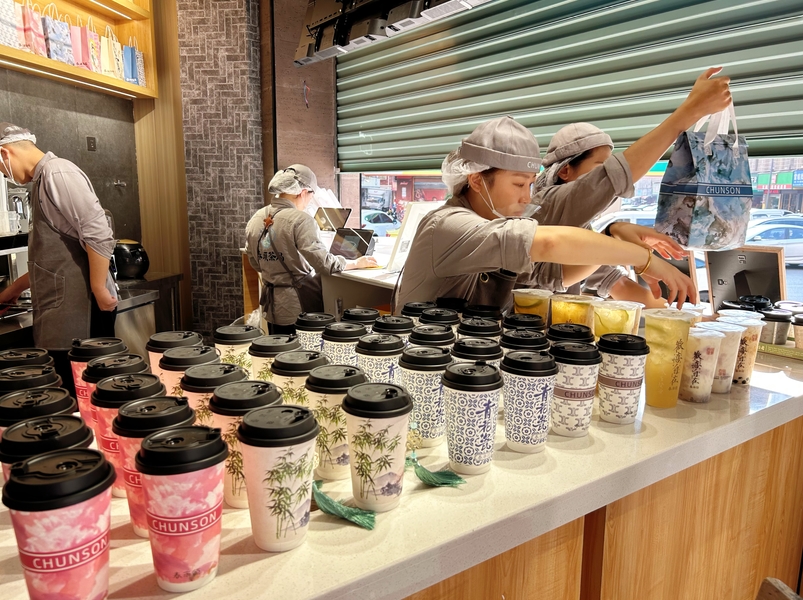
<point x="766" y="213"/>
<point x="791" y="219"/>
<point x="789" y="237"/>
<point x="381" y="223"/>
<point x="639" y="217"/>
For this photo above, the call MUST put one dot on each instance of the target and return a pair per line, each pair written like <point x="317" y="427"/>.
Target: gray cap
<point x="573" y="140"/>
<point x="504" y="144"/>
<point x="304" y="176"/>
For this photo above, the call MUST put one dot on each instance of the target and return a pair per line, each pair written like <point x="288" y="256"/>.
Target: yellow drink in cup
<point x="616" y="317"/>
<point x="667" y="333"/>
<point x="532" y="302"/>
<point x="570" y="308"/>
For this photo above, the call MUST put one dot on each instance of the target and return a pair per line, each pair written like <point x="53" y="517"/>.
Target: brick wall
<point x="220" y="83"/>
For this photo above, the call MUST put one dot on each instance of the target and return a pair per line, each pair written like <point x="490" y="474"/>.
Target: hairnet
<point x="503" y="143"/>
<point x="293" y="180"/>
<point x="566" y="145"/>
<point x="455" y="171"/>
<point x="13" y="133"/>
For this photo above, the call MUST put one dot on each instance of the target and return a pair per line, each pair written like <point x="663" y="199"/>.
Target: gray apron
<point x="59" y="272"/>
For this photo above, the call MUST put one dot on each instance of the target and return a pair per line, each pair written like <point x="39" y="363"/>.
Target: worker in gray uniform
<point x="283" y="247"/>
<point x="69" y="249"/>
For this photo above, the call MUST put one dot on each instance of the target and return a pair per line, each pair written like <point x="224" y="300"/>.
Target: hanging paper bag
<point x="111" y="55"/>
<point x="140" y="64"/>
<point x="130" y="62"/>
<point x="706" y="192"/>
<point x="8" y="24"/>
<point x="20" y="21"/>
<point x="79" y="50"/>
<point x="57" y="36"/>
<point x="91" y="40"/>
<point x="32" y="24"/>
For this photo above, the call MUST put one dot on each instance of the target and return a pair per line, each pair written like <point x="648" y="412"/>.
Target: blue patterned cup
<point x="413" y="310"/>
<point x="575" y="385"/>
<point x="470" y="350"/>
<point x="471" y="396"/>
<point x="621" y="376"/>
<point x="309" y="327"/>
<point x="378" y="356"/>
<point x="432" y="336"/>
<point x="361" y="316"/>
<point x="400" y="326"/>
<point x="340" y="342"/>
<point x="529" y="385"/>
<point x="440" y="316"/>
<point x="478" y="327"/>
<point x="421" y="375"/>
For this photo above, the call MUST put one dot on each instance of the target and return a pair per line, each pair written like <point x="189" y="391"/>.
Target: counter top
<point x="129" y="299"/>
<point x="436" y="533"/>
<point x="150" y="276"/>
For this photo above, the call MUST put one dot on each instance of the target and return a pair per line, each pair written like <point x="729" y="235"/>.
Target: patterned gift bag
<point x="111" y="55"/>
<point x="57" y="36"/>
<point x="32" y="25"/>
<point x="140" y="67"/>
<point x="706" y="192"/>
<point x="8" y="24"/>
<point x="18" y="19"/>
<point x="130" y="62"/>
<point x="79" y="50"/>
<point x="91" y="40"/>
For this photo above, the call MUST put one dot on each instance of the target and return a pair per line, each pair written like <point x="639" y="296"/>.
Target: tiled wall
<point x="220" y="83"/>
<point x="62" y="117"/>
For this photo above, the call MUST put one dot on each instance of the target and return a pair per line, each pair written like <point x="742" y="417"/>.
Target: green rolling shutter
<point x="404" y="103"/>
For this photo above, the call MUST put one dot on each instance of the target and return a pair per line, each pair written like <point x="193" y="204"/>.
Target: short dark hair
<point x="576" y="161"/>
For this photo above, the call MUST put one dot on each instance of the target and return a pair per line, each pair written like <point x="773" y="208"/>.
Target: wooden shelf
<point x="27" y="62"/>
<point x="118" y="11"/>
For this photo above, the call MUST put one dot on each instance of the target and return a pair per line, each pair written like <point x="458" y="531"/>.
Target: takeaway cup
<point x="278" y="448"/>
<point x="621" y="376"/>
<point x="60" y="508"/>
<point x="310" y="326"/>
<point x="182" y="476"/>
<point x="576" y="382"/>
<point x="377" y="419"/>
<point x="529" y="386"/>
<point x="136" y="420"/>
<point x="264" y="350"/>
<point x="165" y="340"/>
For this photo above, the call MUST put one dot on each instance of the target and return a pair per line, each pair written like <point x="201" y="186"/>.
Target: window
<point x="795" y="233"/>
<point x="646" y="222"/>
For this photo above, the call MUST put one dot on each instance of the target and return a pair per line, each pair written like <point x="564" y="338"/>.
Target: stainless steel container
<point x="777" y="326"/>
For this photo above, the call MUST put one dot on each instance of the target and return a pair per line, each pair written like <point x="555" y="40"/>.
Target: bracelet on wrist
<point x="647" y="266"/>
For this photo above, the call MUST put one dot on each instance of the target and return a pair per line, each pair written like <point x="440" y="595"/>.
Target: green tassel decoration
<point x="444" y="478"/>
<point x="364" y="518"/>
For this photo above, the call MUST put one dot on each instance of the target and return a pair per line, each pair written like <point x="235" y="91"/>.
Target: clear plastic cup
<point x="532" y="302"/>
<point x="572" y="308"/>
<point x="700" y="364"/>
<point x="616" y="316"/>
<point x="748" y="348"/>
<point x="667" y="332"/>
<point x="728" y="353"/>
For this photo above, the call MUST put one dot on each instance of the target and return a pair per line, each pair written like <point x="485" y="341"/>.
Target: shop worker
<point x="69" y="249"/>
<point x="476" y="245"/>
<point x="582" y="177"/>
<point x="284" y="248"/>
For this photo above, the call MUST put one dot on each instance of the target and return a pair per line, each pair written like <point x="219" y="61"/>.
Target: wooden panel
<point x="593" y="546"/>
<point x="250" y="287"/>
<point x="160" y="162"/>
<point x="715" y="530"/>
<point x="547" y="567"/>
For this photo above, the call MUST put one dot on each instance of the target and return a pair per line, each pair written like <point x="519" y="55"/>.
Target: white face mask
<point x="7" y="168"/>
<point x="528" y="212"/>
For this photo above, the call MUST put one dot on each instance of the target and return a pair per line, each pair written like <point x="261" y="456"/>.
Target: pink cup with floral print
<point x="80" y="354"/>
<point x="103" y="367"/>
<point x="135" y="421"/>
<point x="182" y="477"/>
<point x="60" y="506"/>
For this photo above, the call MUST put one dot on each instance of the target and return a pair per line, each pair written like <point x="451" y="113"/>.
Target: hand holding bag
<point x="706" y="192"/>
<point x="8" y="24"/>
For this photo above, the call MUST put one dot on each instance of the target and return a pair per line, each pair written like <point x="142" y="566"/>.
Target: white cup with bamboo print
<point x="165" y="340"/>
<point x="264" y="350"/>
<point x="413" y="310"/>
<point x="229" y="404"/>
<point x="290" y="371"/>
<point x="176" y="361"/>
<point x="233" y="342"/>
<point x="326" y="387"/>
<point x="378" y="356"/>
<point x="199" y="383"/>
<point x="278" y="448"/>
<point x="310" y="326"/>
<point x="340" y="342"/>
<point x="377" y="418"/>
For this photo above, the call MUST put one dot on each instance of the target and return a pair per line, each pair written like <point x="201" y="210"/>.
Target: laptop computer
<point x="353" y="243"/>
<point x="332" y="219"/>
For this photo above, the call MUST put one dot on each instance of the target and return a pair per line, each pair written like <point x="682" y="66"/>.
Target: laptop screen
<point x="332" y="219"/>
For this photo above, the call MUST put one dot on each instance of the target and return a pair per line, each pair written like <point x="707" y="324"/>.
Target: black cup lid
<point x="458" y="304"/>
<point x="565" y="332"/>
<point x="477" y="349"/>
<point x="377" y="401"/>
<point x="38" y="402"/>
<point x="440" y="316"/>
<point x="314" y="321"/>
<point x="344" y="332"/>
<point x="113" y="392"/>
<point x="530" y="364"/>
<point x="27" y="377"/>
<point x="473" y="377"/>
<point x="237" y="334"/>
<point x="298" y="363"/>
<point x="140" y="418"/>
<point x="57" y="480"/>
<point x="758" y="302"/>
<point x="205" y="378"/>
<point x="334" y="379"/>
<point x="164" y="340"/>
<point x="389" y="324"/>
<point x="236" y="399"/>
<point x="269" y="346"/>
<point x="43" y="434"/>
<point x="18" y="357"/>
<point x="483" y="311"/>
<point x="181" y="359"/>
<point x="524" y="339"/>
<point x="83" y="350"/>
<point x="576" y="353"/>
<point x="523" y="321"/>
<point x="479" y="327"/>
<point x="425" y="358"/>
<point x="623" y="344"/>
<point x="181" y="450"/>
<point x="414" y="309"/>
<point x="731" y="305"/>
<point x="380" y="344"/>
<point x="109" y="366"/>
<point x="432" y="335"/>
<point x="777" y="315"/>
<point x="278" y="426"/>
<point x="360" y="315"/>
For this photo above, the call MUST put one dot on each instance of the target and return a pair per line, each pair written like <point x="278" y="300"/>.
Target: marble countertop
<point x="436" y="533"/>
